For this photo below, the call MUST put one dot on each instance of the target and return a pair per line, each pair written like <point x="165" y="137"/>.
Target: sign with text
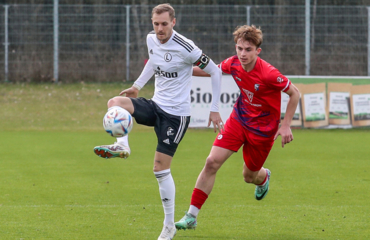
<point x="314" y="105"/>
<point x="201" y="99"/>
<point x="297" y="119"/>
<point x="360" y="105"/>
<point x="338" y="103"/>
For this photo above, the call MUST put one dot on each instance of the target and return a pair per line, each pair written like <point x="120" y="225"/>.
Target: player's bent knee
<point x="248" y="179"/>
<point x="123" y="102"/>
<point x="114" y="102"/>
<point x="212" y="165"/>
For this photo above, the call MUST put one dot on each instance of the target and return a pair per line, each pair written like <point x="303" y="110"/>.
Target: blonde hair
<point x="165" y="7"/>
<point x="249" y="33"/>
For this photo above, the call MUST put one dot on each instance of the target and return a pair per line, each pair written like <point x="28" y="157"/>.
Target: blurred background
<point x="104" y="41"/>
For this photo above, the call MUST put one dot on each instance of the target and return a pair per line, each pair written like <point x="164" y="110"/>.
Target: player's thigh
<point x="170" y="130"/>
<point x="123" y="102"/>
<point x="232" y="138"/>
<point x="218" y="156"/>
<point x="256" y="151"/>
<point x="144" y="111"/>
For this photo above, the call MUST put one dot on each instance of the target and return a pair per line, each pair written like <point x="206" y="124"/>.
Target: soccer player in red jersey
<point x="253" y="123"/>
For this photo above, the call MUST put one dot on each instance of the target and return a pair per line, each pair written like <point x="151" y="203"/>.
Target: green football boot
<point x="261" y="191"/>
<point x="187" y="222"/>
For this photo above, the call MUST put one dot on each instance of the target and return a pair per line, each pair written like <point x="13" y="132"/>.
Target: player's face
<point x="247" y="53"/>
<point x="163" y="26"/>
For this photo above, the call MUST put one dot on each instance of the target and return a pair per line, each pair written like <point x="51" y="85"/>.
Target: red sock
<point x="263" y="180"/>
<point x="198" y="198"/>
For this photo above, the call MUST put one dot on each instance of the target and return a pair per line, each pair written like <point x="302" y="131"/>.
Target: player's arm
<point x="144" y="77"/>
<point x="199" y="72"/>
<point x="285" y="131"/>
<point x="206" y="65"/>
<point x="224" y="67"/>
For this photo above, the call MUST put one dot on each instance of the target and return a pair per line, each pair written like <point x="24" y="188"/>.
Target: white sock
<point x="167" y="192"/>
<point x="193" y="210"/>
<point x="123" y="140"/>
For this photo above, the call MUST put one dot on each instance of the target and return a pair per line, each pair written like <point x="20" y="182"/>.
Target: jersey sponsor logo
<point x="280" y="80"/>
<point x="256" y="87"/>
<point x="250" y="98"/>
<point x="159" y="73"/>
<point x="238" y="78"/>
<point x="249" y="94"/>
<point x="168" y="57"/>
<point x="203" y="61"/>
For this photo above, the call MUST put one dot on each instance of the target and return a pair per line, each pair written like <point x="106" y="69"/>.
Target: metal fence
<point x="105" y="43"/>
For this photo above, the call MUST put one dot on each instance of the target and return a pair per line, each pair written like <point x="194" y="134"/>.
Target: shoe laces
<point x="260" y="189"/>
<point x="126" y="148"/>
<point x="189" y="219"/>
<point x="166" y="232"/>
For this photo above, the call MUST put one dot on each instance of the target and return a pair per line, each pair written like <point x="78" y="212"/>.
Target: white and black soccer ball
<point x="118" y="122"/>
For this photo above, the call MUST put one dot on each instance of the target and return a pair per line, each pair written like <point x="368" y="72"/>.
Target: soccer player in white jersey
<point x="171" y="60"/>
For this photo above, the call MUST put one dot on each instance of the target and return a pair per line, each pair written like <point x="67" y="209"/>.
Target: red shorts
<point x="256" y="148"/>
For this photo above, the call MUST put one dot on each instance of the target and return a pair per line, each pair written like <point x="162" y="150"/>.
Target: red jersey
<point x="258" y="106"/>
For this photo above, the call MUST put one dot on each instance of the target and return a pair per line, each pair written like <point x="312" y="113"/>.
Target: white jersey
<point x="172" y="63"/>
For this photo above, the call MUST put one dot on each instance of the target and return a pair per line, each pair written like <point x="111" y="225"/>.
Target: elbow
<point x="216" y="73"/>
<point x="295" y="93"/>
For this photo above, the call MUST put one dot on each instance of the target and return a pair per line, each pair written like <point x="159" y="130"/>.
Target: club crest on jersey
<point x="168" y="57"/>
<point x="256" y="87"/>
<point x="280" y="80"/>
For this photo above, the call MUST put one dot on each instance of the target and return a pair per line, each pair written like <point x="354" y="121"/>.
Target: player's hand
<point x="286" y="135"/>
<point x="130" y="92"/>
<point x="216" y="120"/>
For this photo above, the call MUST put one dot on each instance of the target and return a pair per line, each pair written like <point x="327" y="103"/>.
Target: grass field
<point x="54" y="187"/>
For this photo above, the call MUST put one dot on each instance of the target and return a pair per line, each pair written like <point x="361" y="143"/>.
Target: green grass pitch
<point x="54" y="187"/>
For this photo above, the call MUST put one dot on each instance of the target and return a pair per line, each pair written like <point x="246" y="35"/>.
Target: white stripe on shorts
<point x="181" y="129"/>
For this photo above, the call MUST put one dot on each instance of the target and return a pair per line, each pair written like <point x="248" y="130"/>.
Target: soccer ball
<point x="117" y="122"/>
